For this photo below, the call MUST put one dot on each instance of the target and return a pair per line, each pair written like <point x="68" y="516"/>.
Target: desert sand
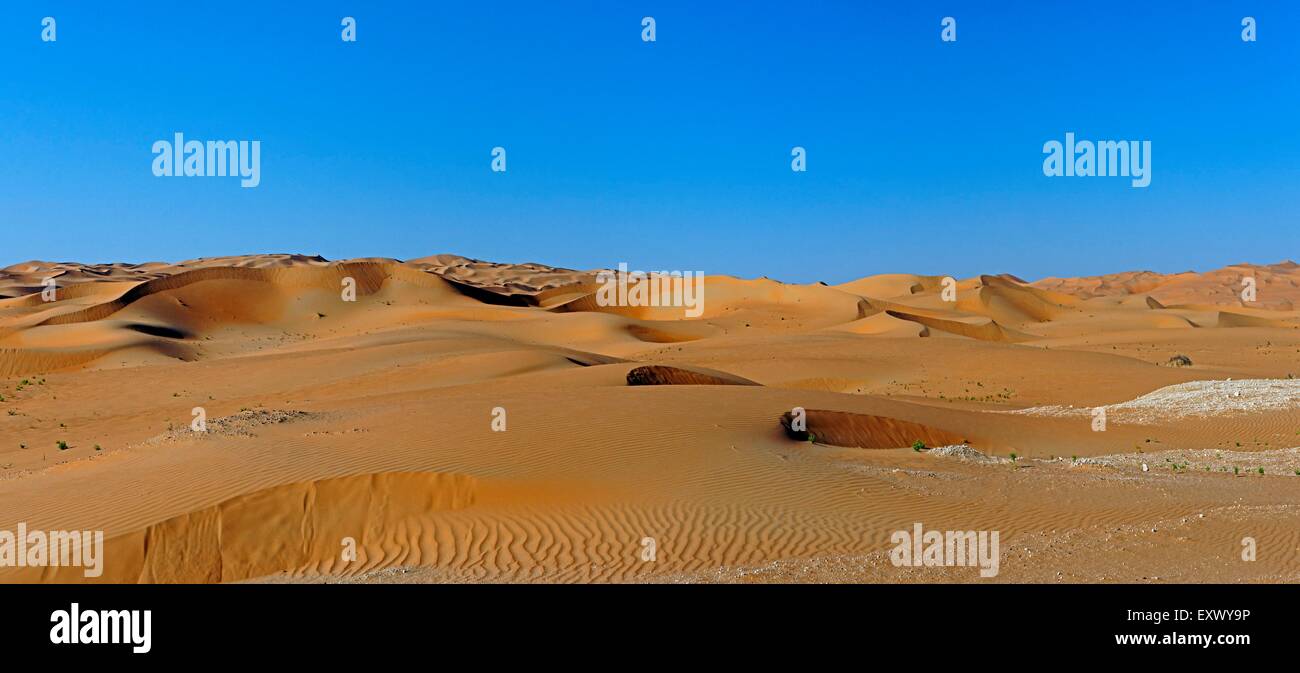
<point x="474" y="421"/>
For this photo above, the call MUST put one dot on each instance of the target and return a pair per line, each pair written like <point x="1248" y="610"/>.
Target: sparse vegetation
<point x="918" y="445"/>
<point x="63" y="446"/>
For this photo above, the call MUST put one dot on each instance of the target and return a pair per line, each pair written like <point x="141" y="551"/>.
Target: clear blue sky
<point x="923" y="156"/>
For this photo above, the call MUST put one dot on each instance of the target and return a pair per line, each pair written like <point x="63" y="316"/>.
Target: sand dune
<point x="864" y="431"/>
<point x="464" y="420"/>
<point x="1277" y="285"/>
<point x="1240" y="318"/>
<point x="889" y="285"/>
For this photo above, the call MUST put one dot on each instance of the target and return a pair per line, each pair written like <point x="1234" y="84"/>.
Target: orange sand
<point x="395" y="445"/>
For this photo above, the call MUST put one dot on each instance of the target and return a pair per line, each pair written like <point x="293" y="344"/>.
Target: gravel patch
<point x="1280" y="462"/>
<point x="1190" y="400"/>
<point x="964" y="452"/>
<point x="241" y="424"/>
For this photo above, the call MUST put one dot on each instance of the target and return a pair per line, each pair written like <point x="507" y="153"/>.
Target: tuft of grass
<point x="63" y="446"/>
<point x="1013" y="456"/>
<point x="97" y="448"/>
<point x="918" y="445"/>
<point x="1261" y="471"/>
<point x="1236" y="470"/>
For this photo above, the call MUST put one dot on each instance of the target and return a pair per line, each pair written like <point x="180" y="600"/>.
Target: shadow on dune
<point x="661" y="375"/>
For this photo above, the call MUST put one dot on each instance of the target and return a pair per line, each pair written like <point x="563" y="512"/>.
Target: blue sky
<point x="923" y="156"/>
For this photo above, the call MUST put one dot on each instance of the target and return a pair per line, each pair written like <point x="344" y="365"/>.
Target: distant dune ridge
<point x="464" y="420"/>
<point x="1278" y="285"/>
